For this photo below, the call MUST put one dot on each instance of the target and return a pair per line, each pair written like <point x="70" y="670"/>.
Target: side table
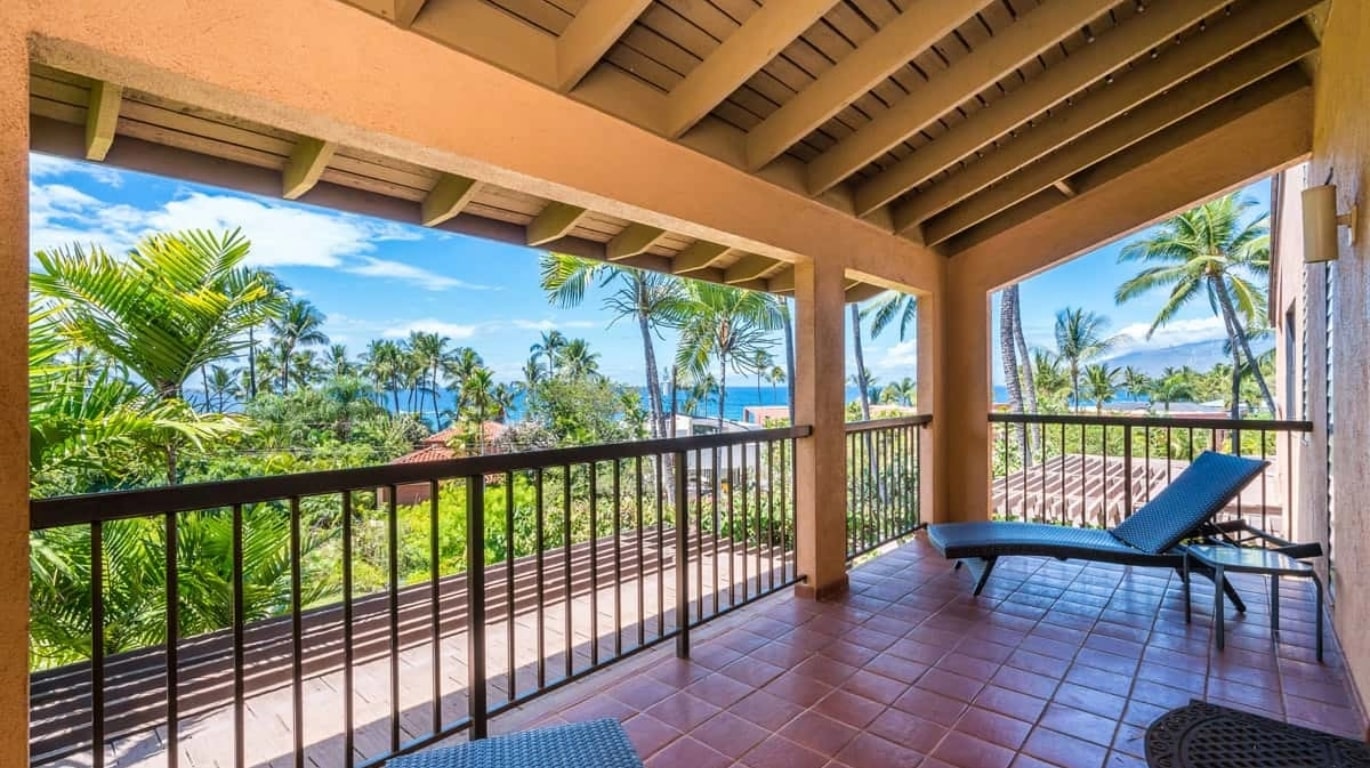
<point x="1224" y="558"/>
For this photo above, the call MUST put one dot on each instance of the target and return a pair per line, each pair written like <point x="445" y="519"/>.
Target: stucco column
<point x="965" y="397"/>
<point x="932" y="484"/>
<point x="821" y="460"/>
<point x="14" y="417"/>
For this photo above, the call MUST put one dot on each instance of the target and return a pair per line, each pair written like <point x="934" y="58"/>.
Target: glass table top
<point x="1247" y="558"/>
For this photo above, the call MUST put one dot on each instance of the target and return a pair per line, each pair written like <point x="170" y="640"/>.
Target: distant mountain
<point x="1200" y="355"/>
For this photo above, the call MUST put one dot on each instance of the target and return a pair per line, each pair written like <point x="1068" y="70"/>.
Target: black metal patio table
<point x="1223" y="558"/>
<point x="601" y="743"/>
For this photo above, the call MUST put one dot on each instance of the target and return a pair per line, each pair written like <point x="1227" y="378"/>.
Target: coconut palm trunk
<point x="1008" y="350"/>
<point x="1025" y="366"/>
<point x="654" y="399"/>
<point x="862" y="383"/>
<point x="1239" y="340"/>
<point x="789" y="355"/>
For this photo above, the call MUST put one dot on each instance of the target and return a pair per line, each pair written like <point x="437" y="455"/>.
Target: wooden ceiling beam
<point x="447" y="199"/>
<point x="553" y="223"/>
<point x="698" y="256"/>
<point x="781" y="282"/>
<point x="864" y="292"/>
<point x="405" y="11"/>
<point x="590" y="35"/>
<point x="1131" y="89"/>
<point x="760" y="39"/>
<point x="306" y="164"/>
<point x="633" y="240"/>
<point x="748" y="268"/>
<point x="922" y="23"/>
<point x="984" y="66"/>
<point x="1086" y="65"/>
<point x="102" y="117"/>
<point x="1117" y="136"/>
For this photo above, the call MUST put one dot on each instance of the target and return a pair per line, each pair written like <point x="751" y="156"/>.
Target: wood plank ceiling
<point x="941" y="121"/>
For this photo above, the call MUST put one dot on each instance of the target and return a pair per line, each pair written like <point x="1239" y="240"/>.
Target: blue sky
<point x="375" y="278"/>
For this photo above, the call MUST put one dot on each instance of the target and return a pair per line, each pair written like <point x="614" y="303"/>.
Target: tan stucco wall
<point x="1341" y="145"/>
<point x="1245" y="148"/>
<point x="14" y="458"/>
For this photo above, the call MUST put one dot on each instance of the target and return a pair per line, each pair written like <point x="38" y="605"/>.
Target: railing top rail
<point x="1182" y="422"/>
<point x="114" y="505"/>
<point x="899" y="421"/>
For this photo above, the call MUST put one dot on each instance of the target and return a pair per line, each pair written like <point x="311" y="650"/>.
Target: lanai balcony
<point x="821" y="149"/>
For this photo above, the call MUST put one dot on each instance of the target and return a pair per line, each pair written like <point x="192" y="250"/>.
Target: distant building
<point x="453" y="442"/>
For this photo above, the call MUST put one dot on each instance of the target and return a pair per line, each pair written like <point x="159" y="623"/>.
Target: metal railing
<point x="1094" y="471"/>
<point x="422" y="598"/>
<point x="883" y="481"/>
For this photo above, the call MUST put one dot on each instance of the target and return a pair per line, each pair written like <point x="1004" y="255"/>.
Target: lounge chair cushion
<point x="963" y="540"/>
<point x="1192" y="498"/>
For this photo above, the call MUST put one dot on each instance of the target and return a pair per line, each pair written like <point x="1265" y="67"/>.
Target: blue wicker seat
<point x="600" y="743"/>
<point x="1183" y="510"/>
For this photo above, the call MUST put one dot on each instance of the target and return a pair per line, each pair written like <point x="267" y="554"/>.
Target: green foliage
<point x="582" y="410"/>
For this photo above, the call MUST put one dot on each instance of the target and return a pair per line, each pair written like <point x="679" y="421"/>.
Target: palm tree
<point x="652" y="300"/>
<point x="533" y="372"/>
<point x="862" y="375"/>
<point x="479" y="390"/>
<point x="222" y="385"/>
<point x="1079" y="339"/>
<point x="726" y="325"/>
<point x="460" y="366"/>
<point x="304" y="368"/>
<point x="336" y="361"/>
<point x="177" y="302"/>
<point x="381" y="363"/>
<point x="430" y="349"/>
<point x="1101" y="381"/>
<point x="782" y="306"/>
<point x="577" y="361"/>
<point x="762" y="364"/>
<point x="776" y="376"/>
<point x="892" y="307"/>
<point x="1022" y="394"/>
<point x="1135" y="382"/>
<point x="1174" y="385"/>
<point x="549" y="348"/>
<point x="1218" y="251"/>
<point x="503" y="398"/>
<point x="174" y="304"/>
<point x="904" y="392"/>
<point x="1052" y="383"/>
<point x="300" y="324"/>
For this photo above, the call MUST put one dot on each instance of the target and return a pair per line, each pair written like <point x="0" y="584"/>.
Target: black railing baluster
<point x="349" y="737"/>
<point x="509" y="479"/>
<point x="732" y="532"/>
<point x="475" y="590"/>
<point x="746" y="527"/>
<point x="699" y="535"/>
<point x="97" y="643"/>
<point x="682" y="558"/>
<point x="435" y="603"/>
<point x="714" y="489"/>
<point x="392" y="556"/>
<point x="757" y="528"/>
<point x="770" y="516"/>
<point x="594" y="564"/>
<point x="239" y="620"/>
<point x="661" y="547"/>
<point x="296" y="636"/>
<point x="539" y="537"/>
<point x="618" y="558"/>
<point x="641" y="569"/>
<point x="173" y="636"/>
<point x="566" y="564"/>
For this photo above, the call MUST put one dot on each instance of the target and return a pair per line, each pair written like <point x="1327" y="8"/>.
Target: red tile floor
<point x="1056" y="664"/>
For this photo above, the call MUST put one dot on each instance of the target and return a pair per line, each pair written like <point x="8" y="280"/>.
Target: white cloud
<point x="552" y="325"/>
<point x="423" y="278"/>
<point x="281" y="235"/>
<point x="455" y="331"/>
<point x="901" y="358"/>
<point x="1133" y="337"/>
<point x="48" y="166"/>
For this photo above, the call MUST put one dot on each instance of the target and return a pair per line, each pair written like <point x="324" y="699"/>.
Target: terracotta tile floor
<point x="1056" y="664"/>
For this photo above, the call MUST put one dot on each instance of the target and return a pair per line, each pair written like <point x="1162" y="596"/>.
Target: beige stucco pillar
<point x="932" y="496"/>
<point x="965" y="398"/>
<point x="821" y="460"/>
<point x="14" y="481"/>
